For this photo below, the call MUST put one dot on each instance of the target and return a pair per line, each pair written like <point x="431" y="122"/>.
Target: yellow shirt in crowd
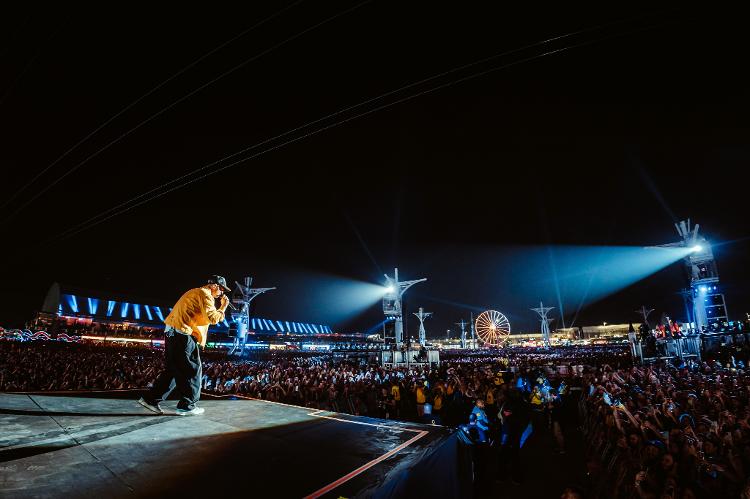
<point x="396" y="393"/>
<point x="193" y="313"/>
<point x="438" y="403"/>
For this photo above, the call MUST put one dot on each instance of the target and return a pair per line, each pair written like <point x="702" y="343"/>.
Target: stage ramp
<point x="72" y="446"/>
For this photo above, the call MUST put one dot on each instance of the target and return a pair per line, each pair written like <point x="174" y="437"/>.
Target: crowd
<point x="444" y="394"/>
<point x="51" y="366"/>
<point x="668" y="430"/>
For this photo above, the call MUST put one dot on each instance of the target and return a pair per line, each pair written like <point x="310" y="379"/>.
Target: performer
<point x="187" y="327"/>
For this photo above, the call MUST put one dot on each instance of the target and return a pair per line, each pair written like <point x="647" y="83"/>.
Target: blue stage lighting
<point x="124" y="309"/>
<point x="93" y="305"/>
<point x="331" y="299"/>
<point x="159" y="314"/>
<point x="696" y="248"/>
<point x="148" y="312"/>
<point x="110" y="307"/>
<point x="73" y="303"/>
<point x="137" y="311"/>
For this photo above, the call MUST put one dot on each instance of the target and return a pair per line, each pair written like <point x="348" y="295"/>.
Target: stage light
<point x="696" y="248"/>
<point x="73" y="302"/>
<point x="702" y="289"/>
<point x="389" y="290"/>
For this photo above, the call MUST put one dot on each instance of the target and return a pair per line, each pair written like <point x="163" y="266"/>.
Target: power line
<point x="18" y="192"/>
<point x="85" y="225"/>
<point x="188" y="95"/>
<point x="344" y="110"/>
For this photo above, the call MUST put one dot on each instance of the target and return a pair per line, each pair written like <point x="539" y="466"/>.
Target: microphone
<point x="230" y="305"/>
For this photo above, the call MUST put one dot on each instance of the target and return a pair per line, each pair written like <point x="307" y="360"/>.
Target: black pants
<point x="183" y="372"/>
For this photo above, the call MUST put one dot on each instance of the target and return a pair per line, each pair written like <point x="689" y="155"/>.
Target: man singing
<point x="187" y="327"/>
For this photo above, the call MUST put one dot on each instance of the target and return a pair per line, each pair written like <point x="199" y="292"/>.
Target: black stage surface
<point x="109" y="446"/>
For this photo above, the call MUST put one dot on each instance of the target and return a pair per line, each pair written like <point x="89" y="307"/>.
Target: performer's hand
<point x="224" y="301"/>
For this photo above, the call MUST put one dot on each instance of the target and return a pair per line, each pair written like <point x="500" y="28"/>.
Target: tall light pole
<point x="422" y="315"/>
<point x="243" y="295"/>
<point x="462" y="325"/>
<point x="473" y="333"/>
<point x="543" y="311"/>
<point x="392" y="302"/>
<point x="704" y="298"/>
<point x="644" y="313"/>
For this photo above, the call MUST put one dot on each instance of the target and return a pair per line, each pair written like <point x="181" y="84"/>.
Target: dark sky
<point x="640" y="122"/>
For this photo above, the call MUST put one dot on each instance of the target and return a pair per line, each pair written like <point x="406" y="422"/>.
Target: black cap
<point x="217" y="279"/>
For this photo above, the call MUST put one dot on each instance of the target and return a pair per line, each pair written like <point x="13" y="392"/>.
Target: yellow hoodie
<point x="193" y="313"/>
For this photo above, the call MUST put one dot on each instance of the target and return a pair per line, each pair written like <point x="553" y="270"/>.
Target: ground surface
<point x="93" y="447"/>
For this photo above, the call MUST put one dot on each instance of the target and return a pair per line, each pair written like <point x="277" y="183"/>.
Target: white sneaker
<point x="151" y="407"/>
<point x="190" y="412"/>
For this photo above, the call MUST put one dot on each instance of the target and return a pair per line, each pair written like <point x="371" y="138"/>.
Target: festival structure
<point x="243" y="295"/>
<point x="402" y="353"/>
<point x="706" y="322"/>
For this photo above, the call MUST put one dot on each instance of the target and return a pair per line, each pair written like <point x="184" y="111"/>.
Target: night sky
<point x="641" y="121"/>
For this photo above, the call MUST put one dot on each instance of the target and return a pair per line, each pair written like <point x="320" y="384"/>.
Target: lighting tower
<point x="242" y="296"/>
<point x="462" y="324"/>
<point x="543" y="311"/>
<point x="704" y="301"/>
<point x="644" y="312"/>
<point x="473" y="335"/>
<point x="392" y="302"/>
<point x="422" y="315"/>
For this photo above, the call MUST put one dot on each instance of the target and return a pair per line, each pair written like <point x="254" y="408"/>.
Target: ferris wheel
<point x="492" y="327"/>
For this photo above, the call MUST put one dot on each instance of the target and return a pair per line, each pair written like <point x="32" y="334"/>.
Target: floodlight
<point x="696" y="248"/>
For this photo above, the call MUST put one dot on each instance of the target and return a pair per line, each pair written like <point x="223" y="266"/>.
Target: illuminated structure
<point x="704" y="301"/>
<point x="462" y="325"/>
<point x="67" y="307"/>
<point x="543" y="311"/>
<point x="492" y="327"/>
<point x="473" y="331"/>
<point x="392" y="303"/>
<point x="242" y="296"/>
<point x="422" y="315"/>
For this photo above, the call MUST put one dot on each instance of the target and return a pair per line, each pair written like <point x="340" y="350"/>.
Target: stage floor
<point x="55" y="446"/>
